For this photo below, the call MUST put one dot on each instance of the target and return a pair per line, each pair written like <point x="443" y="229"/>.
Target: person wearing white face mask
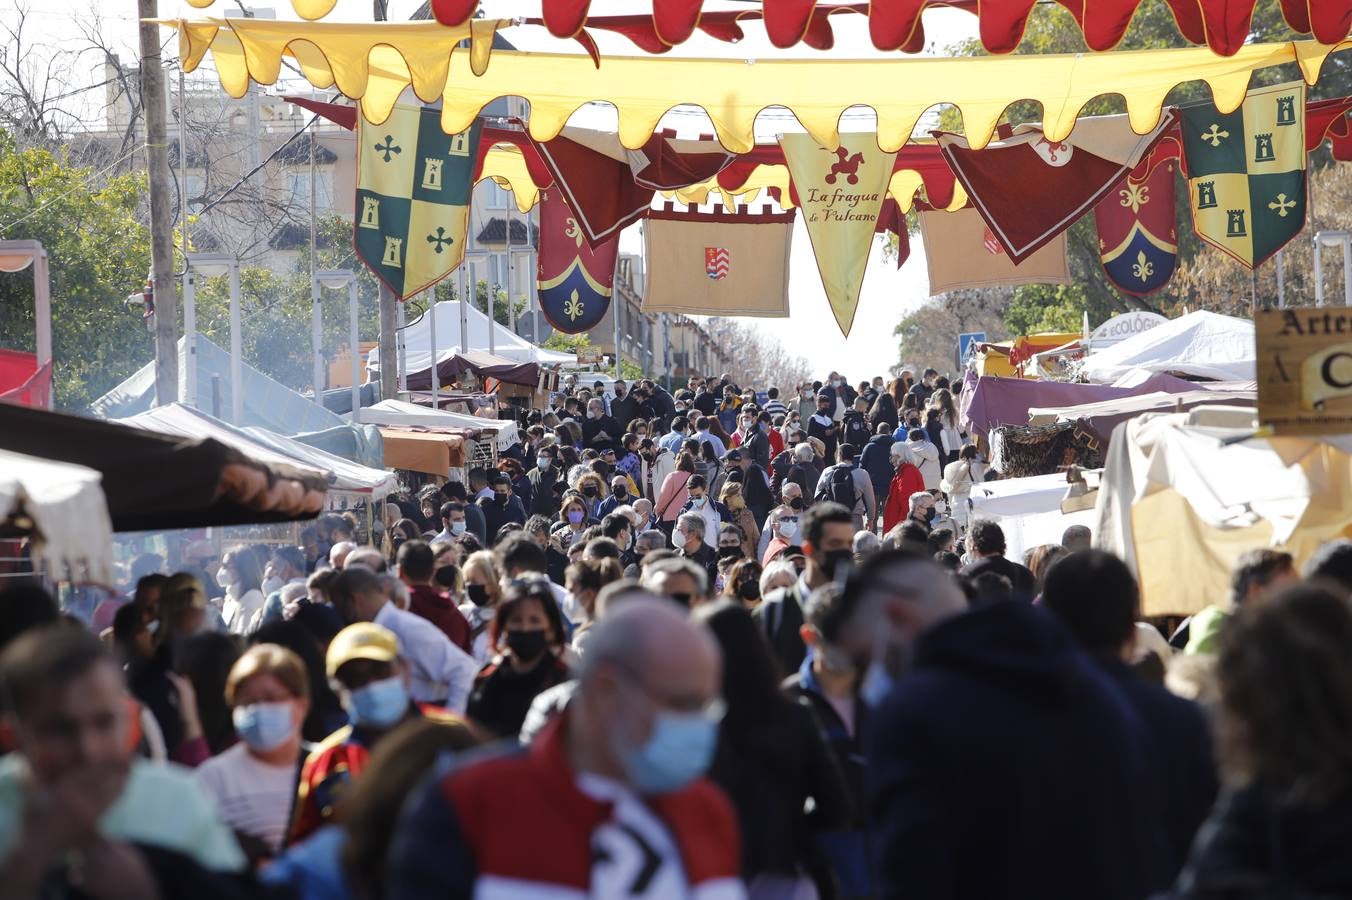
<point x="253" y="782"/>
<point x="241" y="574"/>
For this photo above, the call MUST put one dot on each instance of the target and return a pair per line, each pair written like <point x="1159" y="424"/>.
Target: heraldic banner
<point x="961" y="251"/>
<point x="1246" y="171"/>
<point x="574" y="279"/>
<point x="841" y="192"/>
<point x="413" y="192"/>
<point x="719" y="263"/>
<point x="1138" y="242"/>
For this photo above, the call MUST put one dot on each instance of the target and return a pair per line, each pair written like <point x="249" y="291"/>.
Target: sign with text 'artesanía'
<point x="1305" y="369"/>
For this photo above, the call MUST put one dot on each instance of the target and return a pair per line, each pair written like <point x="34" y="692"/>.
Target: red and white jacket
<point x="516" y="826"/>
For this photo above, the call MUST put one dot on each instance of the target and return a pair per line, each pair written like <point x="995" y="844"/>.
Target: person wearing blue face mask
<point x="371" y="679"/>
<point x="253" y="782"/>
<point x="608" y="799"/>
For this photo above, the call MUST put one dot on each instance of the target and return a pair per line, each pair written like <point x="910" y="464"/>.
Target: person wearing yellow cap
<point x="371" y="679"/>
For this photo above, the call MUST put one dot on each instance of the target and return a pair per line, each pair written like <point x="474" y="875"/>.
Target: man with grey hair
<point x="680" y="579"/>
<point x="600" y="432"/>
<point x="648" y="541"/>
<point x="369" y="557"/>
<point x="440" y="673"/>
<point x="688" y="539"/>
<point x="922" y="510"/>
<point x="642" y="722"/>
<point x="982" y="687"/>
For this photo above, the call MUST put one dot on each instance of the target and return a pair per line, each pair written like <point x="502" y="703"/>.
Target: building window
<point x="299" y="182"/>
<point x="497" y="198"/>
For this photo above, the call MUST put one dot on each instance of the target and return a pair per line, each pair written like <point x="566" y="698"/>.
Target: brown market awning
<point x="156" y="481"/>
<point x="482" y="364"/>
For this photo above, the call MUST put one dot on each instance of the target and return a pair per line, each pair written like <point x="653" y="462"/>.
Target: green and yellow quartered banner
<point x="1246" y="171"/>
<point x="413" y="197"/>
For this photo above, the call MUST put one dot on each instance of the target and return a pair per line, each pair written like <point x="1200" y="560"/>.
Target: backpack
<point x="855" y="430"/>
<point x="839" y="487"/>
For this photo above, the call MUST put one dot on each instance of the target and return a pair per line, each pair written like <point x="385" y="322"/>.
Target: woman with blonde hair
<point x="483" y="590"/>
<point x="253" y="782"/>
<point x="731" y="497"/>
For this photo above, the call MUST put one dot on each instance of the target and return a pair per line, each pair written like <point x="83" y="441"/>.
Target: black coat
<point x="827" y="434"/>
<point x="592" y="428"/>
<point x="543" y="500"/>
<point x="1255" y="848"/>
<point x="1019" y="576"/>
<point x="622" y="410"/>
<point x="502" y="696"/>
<point x="1183" y="754"/>
<point x="496" y="516"/>
<point x="768" y="770"/>
<point x="995" y="761"/>
<point x="780" y="616"/>
<point x="662" y="402"/>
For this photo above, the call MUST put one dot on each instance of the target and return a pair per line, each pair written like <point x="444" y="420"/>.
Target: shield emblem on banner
<point x="717" y="261"/>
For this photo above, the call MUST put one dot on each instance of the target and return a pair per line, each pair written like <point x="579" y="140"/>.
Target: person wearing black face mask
<point x="828" y="539"/>
<point x="528" y="635"/>
<point x="502" y="507"/>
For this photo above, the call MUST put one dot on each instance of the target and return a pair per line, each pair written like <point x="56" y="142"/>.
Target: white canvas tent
<point x="401" y="412"/>
<point x="1200" y="344"/>
<point x="418" y="340"/>
<point x="346" y="476"/>
<point x="1028" y="510"/>
<point x="184" y="421"/>
<point x="1189" y="492"/>
<point x="72" y="531"/>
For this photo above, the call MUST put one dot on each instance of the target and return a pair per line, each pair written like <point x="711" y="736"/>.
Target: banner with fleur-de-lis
<point x="413" y="197"/>
<point x="1137" y="237"/>
<point x="1246" y="171"/>
<point x="574" y="278"/>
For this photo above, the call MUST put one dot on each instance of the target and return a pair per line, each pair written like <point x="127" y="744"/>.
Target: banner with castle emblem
<point x="574" y="278"/>
<point x="841" y="193"/>
<point x="413" y="193"/>
<point x="720" y="263"/>
<point x="1138" y="241"/>
<point x="1246" y="171"/>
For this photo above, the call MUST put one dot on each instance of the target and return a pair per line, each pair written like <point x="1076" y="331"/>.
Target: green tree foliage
<point x="98" y="252"/>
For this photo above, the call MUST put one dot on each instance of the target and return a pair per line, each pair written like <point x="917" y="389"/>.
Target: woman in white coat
<point x="926" y="458"/>
<point x="959" y="477"/>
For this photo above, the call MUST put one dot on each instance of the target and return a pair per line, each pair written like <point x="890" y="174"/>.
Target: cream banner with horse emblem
<point x="1305" y="369"/>
<point x="840" y="192"/>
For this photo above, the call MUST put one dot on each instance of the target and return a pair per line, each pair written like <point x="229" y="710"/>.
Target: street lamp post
<point x="335" y="279"/>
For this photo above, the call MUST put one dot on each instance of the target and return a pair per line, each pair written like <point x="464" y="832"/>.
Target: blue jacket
<point x="876" y="460"/>
<point x="996" y="761"/>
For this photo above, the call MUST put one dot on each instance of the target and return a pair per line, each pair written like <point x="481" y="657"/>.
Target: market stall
<point x="1200" y="345"/>
<point x="1189" y="492"/>
<point x="1028" y="510"/>
<point x="501" y="433"/>
<point x="62" y="508"/>
<point x="417" y="352"/>
<point x="154" y="480"/>
<point x="430" y="452"/>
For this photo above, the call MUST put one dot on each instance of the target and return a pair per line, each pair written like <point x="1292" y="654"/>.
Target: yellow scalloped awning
<point x="373" y="62"/>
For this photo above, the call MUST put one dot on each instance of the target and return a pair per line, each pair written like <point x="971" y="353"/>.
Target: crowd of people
<point x="711" y="643"/>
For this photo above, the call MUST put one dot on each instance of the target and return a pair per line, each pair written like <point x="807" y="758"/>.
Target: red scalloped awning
<point x="1223" y="25"/>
